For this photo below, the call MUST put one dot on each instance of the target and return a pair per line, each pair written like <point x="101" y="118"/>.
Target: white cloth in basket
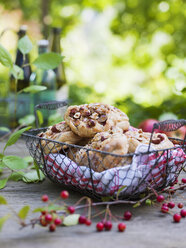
<point x="143" y="172"/>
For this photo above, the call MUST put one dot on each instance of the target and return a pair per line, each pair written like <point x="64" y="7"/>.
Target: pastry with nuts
<point x="60" y="132"/>
<point x="159" y="140"/>
<point x="89" y="119"/>
<point x="105" y="142"/>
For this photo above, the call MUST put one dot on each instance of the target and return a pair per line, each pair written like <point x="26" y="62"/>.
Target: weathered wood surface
<point x="147" y="229"/>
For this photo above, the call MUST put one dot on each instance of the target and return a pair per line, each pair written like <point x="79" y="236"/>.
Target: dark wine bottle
<point x="19" y="104"/>
<point x="56" y="47"/>
<point x="21" y="61"/>
<point x="45" y="78"/>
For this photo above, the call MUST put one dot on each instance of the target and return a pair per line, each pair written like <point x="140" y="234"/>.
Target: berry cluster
<point x="166" y="206"/>
<point x="53" y="218"/>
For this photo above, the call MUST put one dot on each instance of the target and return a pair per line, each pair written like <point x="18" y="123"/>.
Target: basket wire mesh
<point x="137" y="173"/>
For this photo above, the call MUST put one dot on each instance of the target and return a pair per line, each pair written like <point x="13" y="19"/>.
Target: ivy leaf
<point x="16" y="176"/>
<point x="15" y="136"/>
<point x="34" y="89"/>
<point x="14" y="162"/>
<point x="3" y="183"/>
<point x="119" y="191"/>
<point x="71" y="220"/>
<point x="25" y="45"/>
<point x="5" y="57"/>
<point x="17" y="72"/>
<point x="48" y="61"/>
<point x="3" y="219"/>
<point x="4" y="129"/>
<point x="27" y="120"/>
<point x="24" y="212"/>
<point x="32" y="177"/>
<point x="2" y="200"/>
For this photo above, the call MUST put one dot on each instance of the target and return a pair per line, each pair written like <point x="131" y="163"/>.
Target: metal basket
<point x="137" y="173"/>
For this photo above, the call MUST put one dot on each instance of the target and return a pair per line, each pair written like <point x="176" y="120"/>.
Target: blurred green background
<point x="128" y="53"/>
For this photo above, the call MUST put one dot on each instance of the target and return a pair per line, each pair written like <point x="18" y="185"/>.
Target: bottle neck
<point x="55" y="44"/>
<point x="42" y="49"/>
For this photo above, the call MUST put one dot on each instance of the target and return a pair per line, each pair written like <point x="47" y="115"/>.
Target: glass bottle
<point x="23" y="99"/>
<point x="56" y="48"/>
<point x="45" y="78"/>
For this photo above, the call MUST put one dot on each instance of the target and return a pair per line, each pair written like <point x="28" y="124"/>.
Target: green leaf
<point x="27" y="120"/>
<point x="17" y="72"/>
<point x="28" y="159"/>
<point x="4" y="129"/>
<point x="40" y="117"/>
<point x="2" y="165"/>
<point x="36" y="166"/>
<point x="25" y="45"/>
<point x="5" y="57"/>
<point x="119" y="191"/>
<point x="34" y="89"/>
<point x="3" y="183"/>
<point x="32" y="177"/>
<point x="136" y="205"/>
<point x="15" y="136"/>
<point x="24" y="212"/>
<point x="36" y="210"/>
<point x="2" y="200"/>
<point x="1" y="155"/>
<point x="14" y="162"/>
<point x="48" y="61"/>
<point x="3" y="219"/>
<point x="71" y="220"/>
<point x="54" y="207"/>
<point x="15" y="176"/>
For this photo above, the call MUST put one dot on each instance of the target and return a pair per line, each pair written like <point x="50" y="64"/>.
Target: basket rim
<point x="151" y="150"/>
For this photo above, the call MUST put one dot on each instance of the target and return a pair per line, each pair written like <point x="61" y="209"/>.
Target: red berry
<point x="57" y="221"/>
<point x="52" y="227"/>
<point x="180" y="205"/>
<point x="171" y="204"/>
<point x="127" y="215"/>
<point x="71" y="209"/>
<point x="183" y="213"/>
<point x="177" y="217"/>
<point x="43" y="221"/>
<point x="121" y="227"/>
<point x="165" y="205"/>
<point x="164" y="209"/>
<point x="160" y="198"/>
<point x="64" y="194"/>
<point x="88" y="222"/>
<point x="48" y="218"/>
<point x="82" y="219"/>
<point x="44" y="198"/>
<point x="108" y="225"/>
<point x="43" y="212"/>
<point x="99" y="226"/>
<point x="183" y="180"/>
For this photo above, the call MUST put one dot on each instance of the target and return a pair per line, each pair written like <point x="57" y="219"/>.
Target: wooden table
<point x="148" y="228"/>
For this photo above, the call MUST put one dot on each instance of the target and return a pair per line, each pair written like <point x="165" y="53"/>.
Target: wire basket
<point x="133" y="174"/>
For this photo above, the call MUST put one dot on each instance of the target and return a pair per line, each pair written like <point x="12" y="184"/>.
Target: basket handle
<point x="168" y="126"/>
<point x="52" y="105"/>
